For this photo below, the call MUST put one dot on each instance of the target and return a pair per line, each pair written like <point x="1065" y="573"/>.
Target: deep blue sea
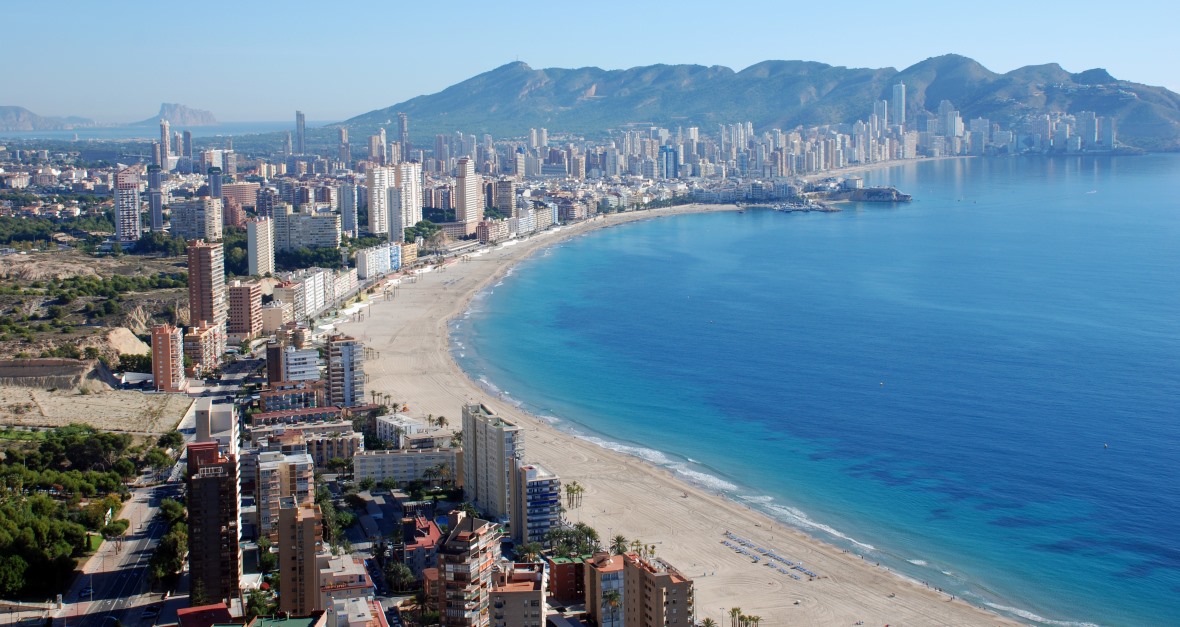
<point x="979" y="389"/>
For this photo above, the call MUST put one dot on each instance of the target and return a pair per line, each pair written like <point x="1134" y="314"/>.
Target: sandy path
<point x="627" y="496"/>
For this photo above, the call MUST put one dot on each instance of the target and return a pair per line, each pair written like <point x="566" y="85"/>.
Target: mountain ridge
<point x="511" y="98"/>
<point x="17" y="118"/>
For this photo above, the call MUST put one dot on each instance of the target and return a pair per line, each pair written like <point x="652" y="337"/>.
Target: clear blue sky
<point x="254" y="61"/>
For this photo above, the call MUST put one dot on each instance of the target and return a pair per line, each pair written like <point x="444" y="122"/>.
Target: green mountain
<point x="510" y="99"/>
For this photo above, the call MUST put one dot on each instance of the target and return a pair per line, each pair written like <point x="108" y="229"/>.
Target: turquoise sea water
<point x="979" y="389"/>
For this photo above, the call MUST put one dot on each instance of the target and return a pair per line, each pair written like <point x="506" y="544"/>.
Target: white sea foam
<point x="550" y="419"/>
<point x="488" y="385"/>
<point x="658" y="458"/>
<point x="919" y="562"/>
<point x="1027" y="615"/>
<point x="704" y="479"/>
<point x="647" y="454"/>
<point x="800" y="519"/>
<point x="756" y="498"/>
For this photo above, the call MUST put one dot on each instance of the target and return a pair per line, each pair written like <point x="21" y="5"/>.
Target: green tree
<point x="157" y="459"/>
<point x="398" y="576"/>
<point x="260" y="603"/>
<point x="469" y="509"/>
<point x="125" y="467"/>
<point x="12" y="575"/>
<point x="267" y="560"/>
<point x="173" y="439"/>
<point x="172" y="511"/>
<point x="115" y="528"/>
<point x="135" y="363"/>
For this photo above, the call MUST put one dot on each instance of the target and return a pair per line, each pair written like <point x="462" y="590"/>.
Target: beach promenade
<point x="737" y="557"/>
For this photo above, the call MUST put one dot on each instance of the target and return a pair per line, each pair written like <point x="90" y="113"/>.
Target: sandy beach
<point x="627" y="496"/>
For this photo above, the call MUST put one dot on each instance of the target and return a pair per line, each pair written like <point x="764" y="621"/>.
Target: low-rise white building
<point x="401" y="466"/>
<point x="301" y="364"/>
<point x="392" y="428"/>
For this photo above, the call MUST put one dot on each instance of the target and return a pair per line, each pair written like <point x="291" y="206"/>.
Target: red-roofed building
<point x="203" y="615"/>
<point x="419" y="547"/>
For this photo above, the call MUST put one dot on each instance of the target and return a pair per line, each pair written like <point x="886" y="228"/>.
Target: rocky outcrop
<point x="180" y="116"/>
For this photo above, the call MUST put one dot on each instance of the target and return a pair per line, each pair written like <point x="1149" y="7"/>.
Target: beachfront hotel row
<point x="453" y="509"/>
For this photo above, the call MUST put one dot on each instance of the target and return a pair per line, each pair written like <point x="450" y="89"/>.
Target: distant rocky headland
<point x="14" y="118"/>
<point x="180" y="115"/>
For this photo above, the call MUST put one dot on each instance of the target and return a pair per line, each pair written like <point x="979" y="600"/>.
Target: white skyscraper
<point x="469" y="193"/>
<point x="407" y="210"/>
<point x="898" y="104"/>
<point x="346" y="371"/>
<point x="165" y="146"/>
<point x="379" y="180"/>
<point x="348" y="209"/>
<point x="260" y="246"/>
<point x="492" y="447"/>
<point x="128" y="225"/>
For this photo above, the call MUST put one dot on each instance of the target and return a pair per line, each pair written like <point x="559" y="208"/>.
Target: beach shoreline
<point x="688" y="523"/>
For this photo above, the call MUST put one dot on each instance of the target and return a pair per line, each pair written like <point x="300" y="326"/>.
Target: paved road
<point x="116" y="579"/>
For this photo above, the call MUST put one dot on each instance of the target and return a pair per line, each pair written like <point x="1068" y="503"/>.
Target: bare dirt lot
<point x="109" y="410"/>
<point x="62" y="264"/>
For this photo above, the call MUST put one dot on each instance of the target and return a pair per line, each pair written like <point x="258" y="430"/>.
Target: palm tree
<point x="441" y="421"/>
<point x="528" y="551"/>
<point x="708" y="622"/>
<point x="618" y="544"/>
<point x="734" y="613"/>
<point x="574" y="492"/>
<point x="613" y="600"/>
<point x="430" y="474"/>
<point x="444" y="472"/>
<point x="754" y="620"/>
